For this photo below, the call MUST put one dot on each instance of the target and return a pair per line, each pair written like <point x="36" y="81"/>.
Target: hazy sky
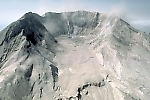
<point x="136" y="12"/>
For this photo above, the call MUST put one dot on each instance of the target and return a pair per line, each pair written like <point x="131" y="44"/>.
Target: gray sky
<point x="136" y="12"/>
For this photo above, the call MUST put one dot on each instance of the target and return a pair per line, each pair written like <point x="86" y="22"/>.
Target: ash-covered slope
<point x="26" y="57"/>
<point x="73" y="56"/>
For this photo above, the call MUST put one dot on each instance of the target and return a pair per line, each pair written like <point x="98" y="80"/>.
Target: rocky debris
<point x="54" y="70"/>
<point x="73" y="56"/>
<point x="28" y="72"/>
